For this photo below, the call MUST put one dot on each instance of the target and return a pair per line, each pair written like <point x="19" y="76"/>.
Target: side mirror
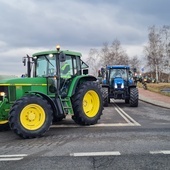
<point x="103" y="71"/>
<point x="24" y="61"/>
<point x="134" y="70"/>
<point x="85" y="71"/>
<point x="62" y="57"/>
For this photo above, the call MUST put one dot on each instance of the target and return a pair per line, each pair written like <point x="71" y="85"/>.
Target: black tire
<point x="87" y="103"/>
<point x="127" y="101"/>
<point x="108" y="99"/>
<point x="58" y="119"/>
<point x="30" y="116"/>
<point x="105" y="96"/>
<point x="133" y="97"/>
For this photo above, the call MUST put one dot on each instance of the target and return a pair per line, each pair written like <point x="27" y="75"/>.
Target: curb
<point x="155" y="103"/>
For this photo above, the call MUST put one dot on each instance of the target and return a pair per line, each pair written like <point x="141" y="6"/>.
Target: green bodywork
<point x="15" y="88"/>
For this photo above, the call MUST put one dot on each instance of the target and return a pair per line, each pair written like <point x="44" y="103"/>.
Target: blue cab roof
<point x="118" y="67"/>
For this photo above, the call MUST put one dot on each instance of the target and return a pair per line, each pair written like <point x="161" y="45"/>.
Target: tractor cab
<point x="118" y="77"/>
<point x="55" y="63"/>
<point x="58" y="67"/>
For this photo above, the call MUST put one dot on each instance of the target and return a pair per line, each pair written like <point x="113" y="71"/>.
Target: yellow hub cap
<point x="91" y="103"/>
<point x="32" y="117"/>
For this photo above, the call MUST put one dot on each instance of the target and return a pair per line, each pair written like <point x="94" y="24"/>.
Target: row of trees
<point x="156" y="54"/>
<point x="112" y="54"/>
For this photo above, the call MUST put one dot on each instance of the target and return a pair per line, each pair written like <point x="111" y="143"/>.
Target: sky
<point x="30" y="26"/>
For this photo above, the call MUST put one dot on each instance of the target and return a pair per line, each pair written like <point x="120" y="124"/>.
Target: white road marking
<point x="122" y="115"/>
<point x="130" y="121"/>
<point x="96" y="153"/>
<point x="125" y="115"/>
<point x="96" y="125"/>
<point x="15" y="157"/>
<point x="166" y="152"/>
<point x="11" y="159"/>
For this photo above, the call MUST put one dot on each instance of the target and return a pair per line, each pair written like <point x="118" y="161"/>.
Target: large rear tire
<point x="133" y="97"/>
<point x="87" y="103"/>
<point x="30" y="116"/>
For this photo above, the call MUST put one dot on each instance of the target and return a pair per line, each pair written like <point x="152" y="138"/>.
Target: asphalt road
<point x="124" y="138"/>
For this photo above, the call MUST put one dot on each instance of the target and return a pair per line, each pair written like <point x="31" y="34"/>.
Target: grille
<point x="119" y="86"/>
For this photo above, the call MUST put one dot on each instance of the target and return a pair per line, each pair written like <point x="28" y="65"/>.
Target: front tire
<point x="30" y="116"/>
<point x="127" y="101"/>
<point x="87" y="103"/>
<point x="105" y="96"/>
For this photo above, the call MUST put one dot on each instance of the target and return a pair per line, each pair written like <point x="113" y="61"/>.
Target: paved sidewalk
<point x="154" y="98"/>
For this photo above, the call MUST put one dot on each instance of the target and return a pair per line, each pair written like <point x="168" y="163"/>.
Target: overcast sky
<point x="29" y="26"/>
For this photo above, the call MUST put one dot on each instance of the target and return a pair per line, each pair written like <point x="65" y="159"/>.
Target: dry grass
<point x="157" y="87"/>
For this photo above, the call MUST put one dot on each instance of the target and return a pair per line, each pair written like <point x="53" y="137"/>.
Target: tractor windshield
<point x="46" y="65"/>
<point x="118" y="73"/>
<point x="68" y="68"/>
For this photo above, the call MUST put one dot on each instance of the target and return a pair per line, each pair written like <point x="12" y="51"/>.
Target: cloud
<point x="31" y="25"/>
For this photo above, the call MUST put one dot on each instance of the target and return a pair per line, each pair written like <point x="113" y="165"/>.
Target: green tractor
<point x="57" y="84"/>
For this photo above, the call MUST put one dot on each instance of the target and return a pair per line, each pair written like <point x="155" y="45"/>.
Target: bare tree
<point x="154" y="51"/>
<point x="113" y="55"/>
<point x="134" y="62"/>
<point x="93" y="61"/>
<point x="105" y="54"/>
<point x="165" y="32"/>
<point x="120" y="57"/>
<point x="108" y="55"/>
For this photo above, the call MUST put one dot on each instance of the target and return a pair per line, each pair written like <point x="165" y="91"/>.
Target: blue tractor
<point x="118" y="83"/>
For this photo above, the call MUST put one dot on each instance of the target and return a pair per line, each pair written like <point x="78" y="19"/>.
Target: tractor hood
<point x="118" y="83"/>
<point x="23" y="81"/>
<point x="118" y="80"/>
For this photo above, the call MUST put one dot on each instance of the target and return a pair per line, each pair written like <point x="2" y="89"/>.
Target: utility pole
<point x="168" y="63"/>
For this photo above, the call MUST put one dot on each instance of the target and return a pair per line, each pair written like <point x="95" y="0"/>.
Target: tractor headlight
<point x="115" y="86"/>
<point x="2" y="93"/>
<point x="122" y="85"/>
<point x="35" y="57"/>
<point x="51" y="55"/>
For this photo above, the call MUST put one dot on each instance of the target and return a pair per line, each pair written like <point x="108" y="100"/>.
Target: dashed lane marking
<point x="96" y="153"/>
<point x="166" y="152"/>
<point x="15" y="157"/>
<point x="113" y="153"/>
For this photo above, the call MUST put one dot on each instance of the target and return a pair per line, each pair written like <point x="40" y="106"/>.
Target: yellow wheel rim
<point x="32" y="117"/>
<point x="91" y="103"/>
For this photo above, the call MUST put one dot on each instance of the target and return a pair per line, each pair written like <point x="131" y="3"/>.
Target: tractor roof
<point x="118" y="67"/>
<point x="55" y="52"/>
